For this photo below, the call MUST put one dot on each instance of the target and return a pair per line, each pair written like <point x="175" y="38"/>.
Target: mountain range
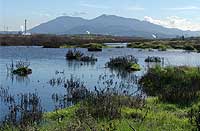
<point x="109" y="25"/>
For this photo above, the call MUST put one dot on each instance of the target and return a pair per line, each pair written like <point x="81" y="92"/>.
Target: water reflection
<point x="16" y="78"/>
<point x="78" y="64"/>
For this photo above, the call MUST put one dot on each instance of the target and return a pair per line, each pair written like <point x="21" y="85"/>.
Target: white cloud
<point x="175" y="22"/>
<point x="188" y="8"/>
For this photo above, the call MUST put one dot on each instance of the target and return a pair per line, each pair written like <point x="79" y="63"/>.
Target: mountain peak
<point x="108" y="16"/>
<point x="68" y="17"/>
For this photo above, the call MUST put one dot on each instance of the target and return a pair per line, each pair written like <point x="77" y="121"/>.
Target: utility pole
<point x="7" y="30"/>
<point x="25" y="26"/>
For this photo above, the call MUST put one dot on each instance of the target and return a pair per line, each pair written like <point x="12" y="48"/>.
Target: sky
<point x="182" y="14"/>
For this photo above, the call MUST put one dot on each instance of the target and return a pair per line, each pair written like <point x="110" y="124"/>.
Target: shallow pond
<point x="46" y="63"/>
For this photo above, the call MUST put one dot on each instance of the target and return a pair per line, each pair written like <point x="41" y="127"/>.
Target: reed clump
<point x="24" y="111"/>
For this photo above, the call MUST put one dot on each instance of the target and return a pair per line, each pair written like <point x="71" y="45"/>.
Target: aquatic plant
<point x="56" y="81"/>
<point x="128" y="63"/>
<point x="76" y="89"/>
<point x="153" y="59"/>
<point x="86" y="58"/>
<point x="24" y="110"/>
<point x="21" y="68"/>
<point x="172" y="84"/>
<point x="78" y="55"/>
<point x="74" y="55"/>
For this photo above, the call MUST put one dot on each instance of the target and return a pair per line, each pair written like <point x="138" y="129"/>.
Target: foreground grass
<point x="155" y="116"/>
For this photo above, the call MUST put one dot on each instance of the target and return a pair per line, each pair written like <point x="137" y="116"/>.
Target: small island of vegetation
<point x="21" y="68"/>
<point x="127" y="63"/>
<point x="79" y="56"/>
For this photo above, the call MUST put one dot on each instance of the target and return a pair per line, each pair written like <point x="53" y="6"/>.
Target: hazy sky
<point x="183" y="14"/>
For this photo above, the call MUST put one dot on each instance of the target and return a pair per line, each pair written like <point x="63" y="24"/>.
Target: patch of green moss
<point x="135" y="67"/>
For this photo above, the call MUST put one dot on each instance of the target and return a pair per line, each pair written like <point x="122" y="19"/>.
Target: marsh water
<point x="48" y="64"/>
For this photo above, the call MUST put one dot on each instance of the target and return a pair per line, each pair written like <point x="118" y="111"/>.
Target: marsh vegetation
<point x="172" y="84"/>
<point x="68" y="96"/>
<point x="21" y="68"/>
<point x="79" y="56"/>
<point x="163" y="45"/>
<point x="124" y="63"/>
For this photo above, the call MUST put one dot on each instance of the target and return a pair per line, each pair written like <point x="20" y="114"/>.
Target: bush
<point x="172" y="84"/>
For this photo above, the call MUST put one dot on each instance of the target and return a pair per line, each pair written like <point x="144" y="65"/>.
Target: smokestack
<point x="25" y="26"/>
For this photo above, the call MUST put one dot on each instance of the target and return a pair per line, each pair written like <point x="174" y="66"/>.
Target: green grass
<point x="155" y="116"/>
<point x="68" y="46"/>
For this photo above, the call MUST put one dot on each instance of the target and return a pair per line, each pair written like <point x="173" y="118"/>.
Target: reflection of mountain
<point x="108" y="25"/>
